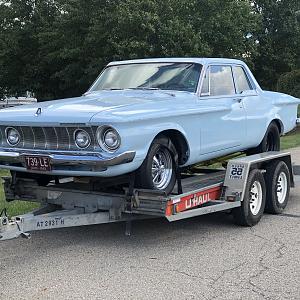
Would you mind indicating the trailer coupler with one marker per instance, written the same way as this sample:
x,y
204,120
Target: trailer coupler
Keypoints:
x,y
11,230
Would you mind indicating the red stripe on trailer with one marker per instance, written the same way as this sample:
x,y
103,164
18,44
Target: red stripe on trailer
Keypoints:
x,y
186,202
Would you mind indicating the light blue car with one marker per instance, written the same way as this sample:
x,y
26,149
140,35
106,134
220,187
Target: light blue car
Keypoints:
x,y
147,116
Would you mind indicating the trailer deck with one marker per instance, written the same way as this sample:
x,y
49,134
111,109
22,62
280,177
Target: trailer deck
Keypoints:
x,y
69,202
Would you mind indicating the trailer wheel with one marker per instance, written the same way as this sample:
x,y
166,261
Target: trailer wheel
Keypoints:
x,y
253,204
278,187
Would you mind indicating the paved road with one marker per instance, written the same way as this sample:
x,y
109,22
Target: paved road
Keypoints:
x,y
202,258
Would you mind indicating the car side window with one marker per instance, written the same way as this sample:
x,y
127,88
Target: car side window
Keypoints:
x,y
221,81
241,80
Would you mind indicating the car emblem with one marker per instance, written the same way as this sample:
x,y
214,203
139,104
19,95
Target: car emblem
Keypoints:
x,y
38,112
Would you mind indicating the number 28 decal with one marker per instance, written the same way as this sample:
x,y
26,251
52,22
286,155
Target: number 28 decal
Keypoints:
x,y
236,171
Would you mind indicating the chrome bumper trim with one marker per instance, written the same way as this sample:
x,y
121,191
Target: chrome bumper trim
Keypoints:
x,y
298,121
70,159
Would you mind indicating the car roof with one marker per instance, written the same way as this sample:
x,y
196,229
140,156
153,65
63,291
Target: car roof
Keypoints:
x,y
203,61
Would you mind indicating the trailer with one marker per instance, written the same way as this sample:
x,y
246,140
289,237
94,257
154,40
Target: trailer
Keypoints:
x,y
247,187
16,101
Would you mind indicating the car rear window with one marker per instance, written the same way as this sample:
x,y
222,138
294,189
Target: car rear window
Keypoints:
x,y
241,81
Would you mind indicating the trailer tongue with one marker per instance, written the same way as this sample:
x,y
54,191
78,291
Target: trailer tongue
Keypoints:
x,y
248,186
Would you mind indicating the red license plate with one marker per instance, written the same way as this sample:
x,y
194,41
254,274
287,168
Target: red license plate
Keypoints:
x,y
38,163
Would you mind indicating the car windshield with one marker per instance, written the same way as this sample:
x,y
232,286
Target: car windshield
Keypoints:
x,y
163,76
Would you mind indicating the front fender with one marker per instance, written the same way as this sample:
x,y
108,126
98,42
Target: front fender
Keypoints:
x,y
138,136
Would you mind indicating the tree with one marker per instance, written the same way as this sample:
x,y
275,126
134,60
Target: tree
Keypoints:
x,y
151,28
290,83
21,22
56,48
278,39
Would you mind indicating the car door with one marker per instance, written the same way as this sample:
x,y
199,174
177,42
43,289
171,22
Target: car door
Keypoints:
x,y
223,128
257,109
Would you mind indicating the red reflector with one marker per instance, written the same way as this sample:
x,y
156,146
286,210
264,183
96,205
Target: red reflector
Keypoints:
x,y
231,198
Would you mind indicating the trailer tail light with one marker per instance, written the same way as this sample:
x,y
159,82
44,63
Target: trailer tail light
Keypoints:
x,y
231,198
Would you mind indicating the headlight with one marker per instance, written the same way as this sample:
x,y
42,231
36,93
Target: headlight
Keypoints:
x,y
82,138
108,138
13,136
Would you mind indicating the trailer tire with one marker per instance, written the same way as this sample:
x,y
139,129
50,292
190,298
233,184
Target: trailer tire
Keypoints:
x,y
162,158
253,205
278,183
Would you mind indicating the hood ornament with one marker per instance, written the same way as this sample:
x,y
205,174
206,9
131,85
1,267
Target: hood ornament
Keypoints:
x,y
38,112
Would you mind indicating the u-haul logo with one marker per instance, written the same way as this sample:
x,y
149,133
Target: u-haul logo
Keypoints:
x,y
180,204
197,200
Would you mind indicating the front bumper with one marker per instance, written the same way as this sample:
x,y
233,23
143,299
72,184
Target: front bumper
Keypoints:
x,y
68,161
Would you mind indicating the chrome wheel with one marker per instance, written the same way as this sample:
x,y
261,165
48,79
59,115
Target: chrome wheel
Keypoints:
x,y
282,186
255,197
162,168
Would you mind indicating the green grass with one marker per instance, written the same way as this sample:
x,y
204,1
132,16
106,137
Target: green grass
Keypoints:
x,y
20,207
16,207
291,140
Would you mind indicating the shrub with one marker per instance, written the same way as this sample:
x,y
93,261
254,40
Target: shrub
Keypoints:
x,y
289,83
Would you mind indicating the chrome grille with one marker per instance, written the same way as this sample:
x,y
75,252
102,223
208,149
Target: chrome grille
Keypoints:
x,y
48,138
27,132
64,137
39,137
51,139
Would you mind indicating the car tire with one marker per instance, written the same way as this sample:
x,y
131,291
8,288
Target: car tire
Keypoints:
x,y
158,171
253,205
278,187
270,142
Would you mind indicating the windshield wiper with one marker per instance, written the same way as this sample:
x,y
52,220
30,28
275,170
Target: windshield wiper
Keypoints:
x,y
153,89
144,88
112,89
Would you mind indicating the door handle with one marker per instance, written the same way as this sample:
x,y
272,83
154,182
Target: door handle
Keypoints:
x,y
239,100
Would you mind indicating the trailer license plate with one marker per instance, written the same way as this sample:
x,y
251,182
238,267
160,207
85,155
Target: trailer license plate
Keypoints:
x,y
38,163
52,223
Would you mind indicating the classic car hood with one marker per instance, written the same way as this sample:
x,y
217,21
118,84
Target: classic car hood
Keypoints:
x,y
107,106
82,109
